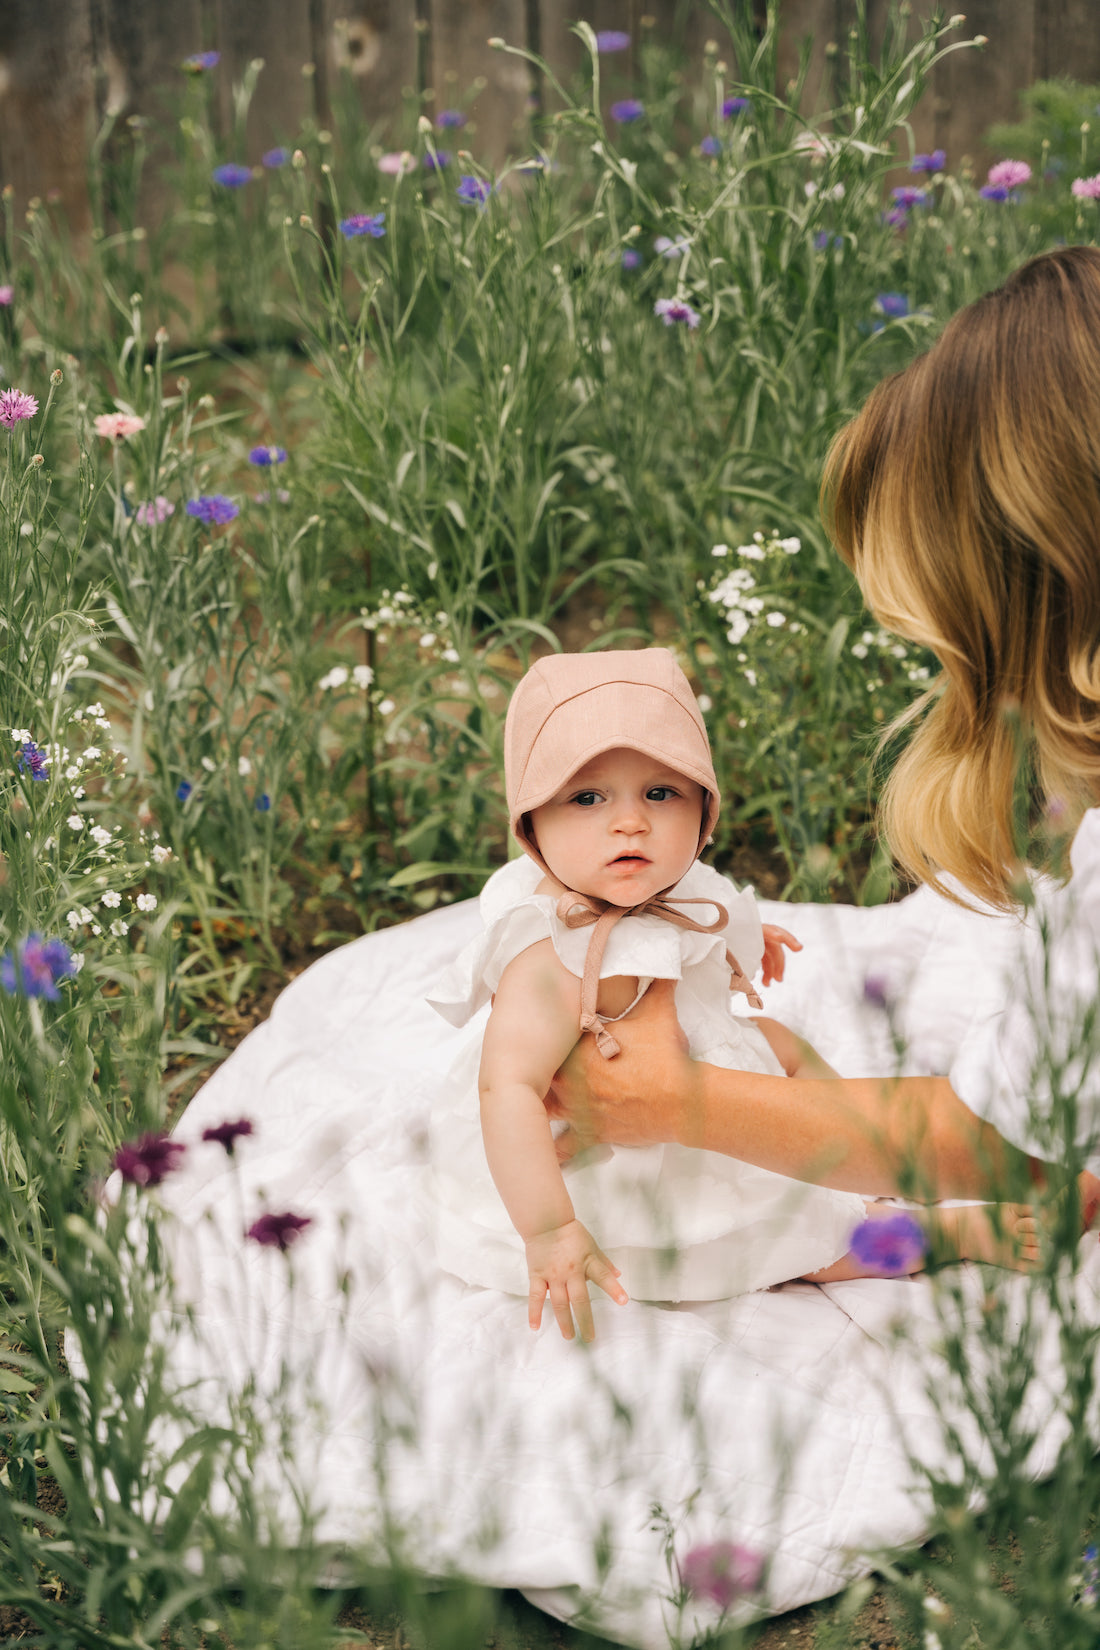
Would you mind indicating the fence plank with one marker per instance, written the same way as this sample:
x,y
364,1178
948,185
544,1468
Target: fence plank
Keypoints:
x,y
46,99
462,60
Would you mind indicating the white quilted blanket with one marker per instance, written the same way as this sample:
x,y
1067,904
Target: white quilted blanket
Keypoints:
x,y
782,1420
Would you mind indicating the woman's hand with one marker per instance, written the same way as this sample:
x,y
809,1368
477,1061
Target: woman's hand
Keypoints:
x,y
642,1096
561,1262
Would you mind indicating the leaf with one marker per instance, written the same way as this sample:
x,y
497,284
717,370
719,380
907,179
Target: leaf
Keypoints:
x,y
410,875
455,508
10,1382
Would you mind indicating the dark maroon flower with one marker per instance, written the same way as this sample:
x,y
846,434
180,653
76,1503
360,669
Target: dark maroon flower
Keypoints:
x,y
721,1571
147,1161
227,1134
278,1231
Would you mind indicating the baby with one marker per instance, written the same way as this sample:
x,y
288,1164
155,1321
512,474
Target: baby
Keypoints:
x,y
612,795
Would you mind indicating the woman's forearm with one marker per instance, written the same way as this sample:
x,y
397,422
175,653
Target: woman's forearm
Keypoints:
x,y
910,1136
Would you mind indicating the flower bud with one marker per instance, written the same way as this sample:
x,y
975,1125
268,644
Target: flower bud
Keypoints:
x,y
57,376
37,460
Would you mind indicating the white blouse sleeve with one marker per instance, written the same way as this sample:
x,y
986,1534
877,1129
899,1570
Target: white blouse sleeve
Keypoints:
x,y
1022,1064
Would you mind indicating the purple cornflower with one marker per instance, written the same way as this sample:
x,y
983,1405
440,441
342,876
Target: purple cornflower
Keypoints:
x,y
876,991
1009,174
612,40
735,106
1090,1577
278,1231
7,295
995,192
263,803
363,223
935,162
893,1247
722,1571
199,62
474,191
906,195
34,967
711,146
146,1162
893,305
183,790
627,110
152,512
450,120
232,175
266,456
212,508
823,240
672,310
436,162
15,405
897,217
227,1134
274,158
631,258
33,761
1086,189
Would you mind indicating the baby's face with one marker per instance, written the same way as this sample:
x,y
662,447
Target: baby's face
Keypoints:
x,y
623,828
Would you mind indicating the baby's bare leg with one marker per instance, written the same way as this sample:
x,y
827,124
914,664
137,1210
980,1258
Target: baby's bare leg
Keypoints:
x,y
1002,1234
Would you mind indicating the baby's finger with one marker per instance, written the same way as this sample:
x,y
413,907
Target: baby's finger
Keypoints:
x,y
606,1277
559,1300
582,1309
787,937
536,1296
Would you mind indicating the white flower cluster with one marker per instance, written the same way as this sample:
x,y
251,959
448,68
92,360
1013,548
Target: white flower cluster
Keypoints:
x,y
734,592
398,611
361,675
886,645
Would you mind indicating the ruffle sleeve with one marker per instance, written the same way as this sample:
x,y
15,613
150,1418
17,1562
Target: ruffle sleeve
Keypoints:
x,y
517,917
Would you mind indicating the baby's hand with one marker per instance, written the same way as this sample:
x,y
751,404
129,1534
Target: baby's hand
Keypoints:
x,y
774,960
561,1261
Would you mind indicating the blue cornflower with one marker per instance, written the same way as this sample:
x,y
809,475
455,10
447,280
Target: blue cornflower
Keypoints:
x,y
711,146
905,195
363,223
474,191
893,1247
199,62
631,258
612,40
935,162
265,456
231,175
735,106
823,240
450,120
263,803
996,192
212,508
183,790
35,966
897,217
437,161
33,761
627,110
274,158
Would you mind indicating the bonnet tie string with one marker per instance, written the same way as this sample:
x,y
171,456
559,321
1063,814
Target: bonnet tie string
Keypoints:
x,y
584,911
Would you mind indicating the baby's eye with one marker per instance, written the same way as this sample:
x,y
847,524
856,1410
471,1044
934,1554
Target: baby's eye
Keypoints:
x,y
586,799
660,793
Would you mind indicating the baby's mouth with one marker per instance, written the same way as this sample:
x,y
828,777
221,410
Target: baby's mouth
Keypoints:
x,y
630,859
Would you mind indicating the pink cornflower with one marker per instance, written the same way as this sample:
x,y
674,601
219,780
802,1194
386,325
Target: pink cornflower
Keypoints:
x,y
152,512
117,426
15,405
1086,189
1009,174
722,1571
7,295
397,162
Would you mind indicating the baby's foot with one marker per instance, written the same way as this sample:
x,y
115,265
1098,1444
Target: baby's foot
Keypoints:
x,y
1003,1234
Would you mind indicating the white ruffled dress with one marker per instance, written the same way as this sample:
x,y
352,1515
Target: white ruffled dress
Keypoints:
x,y
682,1224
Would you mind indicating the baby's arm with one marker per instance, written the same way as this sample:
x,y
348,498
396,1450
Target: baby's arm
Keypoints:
x,y
797,1057
532,1027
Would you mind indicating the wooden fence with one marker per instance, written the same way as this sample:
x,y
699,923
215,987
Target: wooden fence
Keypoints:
x,y
65,63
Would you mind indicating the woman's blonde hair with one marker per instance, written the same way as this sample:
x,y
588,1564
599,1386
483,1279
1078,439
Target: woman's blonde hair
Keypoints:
x,y
966,499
